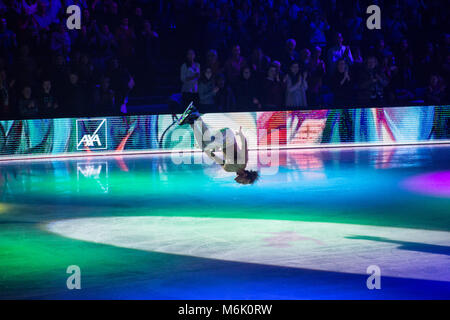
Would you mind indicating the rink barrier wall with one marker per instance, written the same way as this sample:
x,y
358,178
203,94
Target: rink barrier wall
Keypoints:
x,y
67,137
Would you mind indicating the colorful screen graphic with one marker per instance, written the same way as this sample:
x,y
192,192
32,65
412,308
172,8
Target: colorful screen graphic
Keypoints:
x,y
306,128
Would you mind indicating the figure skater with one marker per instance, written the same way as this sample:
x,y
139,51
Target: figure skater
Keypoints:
x,y
234,159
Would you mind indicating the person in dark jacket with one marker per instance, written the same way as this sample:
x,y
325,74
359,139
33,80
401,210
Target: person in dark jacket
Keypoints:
x,y
246,91
225,99
272,89
342,84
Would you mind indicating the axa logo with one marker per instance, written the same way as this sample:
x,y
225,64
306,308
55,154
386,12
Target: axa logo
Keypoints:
x,y
89,141
92,134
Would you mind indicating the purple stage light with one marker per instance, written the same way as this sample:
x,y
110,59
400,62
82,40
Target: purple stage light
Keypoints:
x,y
434,184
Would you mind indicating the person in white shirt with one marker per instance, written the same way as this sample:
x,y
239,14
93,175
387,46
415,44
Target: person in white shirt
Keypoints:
x,y
190,74
338,52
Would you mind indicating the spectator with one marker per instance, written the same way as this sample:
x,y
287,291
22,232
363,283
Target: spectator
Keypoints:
x,y
75,96
337,52
37,28
246,91
125,41
106,44
317,71
27,105
121,83
296,86
212,61
342,84
373,81
290,54
225,100
148,53
234,65
259,63
207,89
279,73
272,89
190,73
48,103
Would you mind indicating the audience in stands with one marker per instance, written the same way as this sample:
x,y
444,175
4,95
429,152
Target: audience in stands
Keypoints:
x,y
254,54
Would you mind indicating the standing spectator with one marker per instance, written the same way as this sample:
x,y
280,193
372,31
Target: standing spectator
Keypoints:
x,y
317,71
207,90
225,100
75,97
341,83
27,105
259,63
190,73
125,40
296,86
148,53
212,61
289,55
372,83
337,52
106,44
279,74
48,103
246,90
272,89
121,83
234,64
305,58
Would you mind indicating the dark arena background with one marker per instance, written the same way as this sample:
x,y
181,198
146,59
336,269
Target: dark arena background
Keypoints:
x,y
108,190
